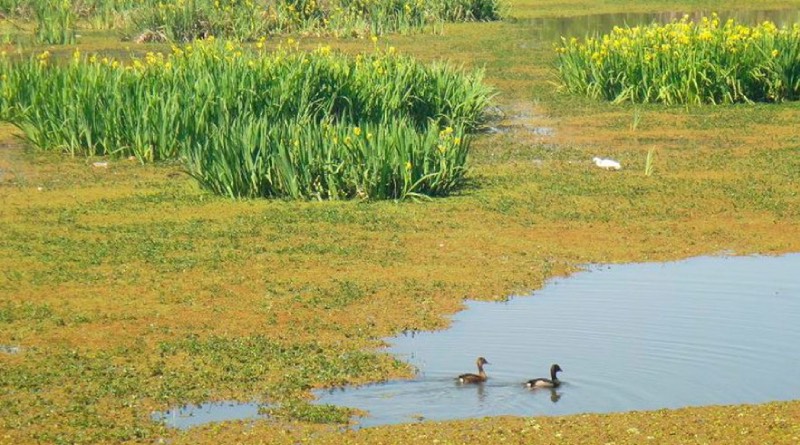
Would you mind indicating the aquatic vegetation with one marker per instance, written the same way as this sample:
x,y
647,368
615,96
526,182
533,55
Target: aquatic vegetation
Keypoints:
x,y
312,124
185,20
685,62
151,260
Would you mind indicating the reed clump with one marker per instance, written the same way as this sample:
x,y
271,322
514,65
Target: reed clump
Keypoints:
x,y
685,62
186,20
251,123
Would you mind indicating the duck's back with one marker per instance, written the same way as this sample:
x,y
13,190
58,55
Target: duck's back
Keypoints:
x,y
542,383
471,378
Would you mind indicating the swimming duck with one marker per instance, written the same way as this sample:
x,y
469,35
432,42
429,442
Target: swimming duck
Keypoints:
x,y
480,377
552,382
608,164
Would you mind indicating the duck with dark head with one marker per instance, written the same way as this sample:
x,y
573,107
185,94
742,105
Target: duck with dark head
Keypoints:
x,y
480,377
552,382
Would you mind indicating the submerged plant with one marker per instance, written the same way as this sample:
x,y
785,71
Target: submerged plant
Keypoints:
x,y
685,62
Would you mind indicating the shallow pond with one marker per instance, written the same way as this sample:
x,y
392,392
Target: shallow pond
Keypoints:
x,y
709,330
193,415
548,29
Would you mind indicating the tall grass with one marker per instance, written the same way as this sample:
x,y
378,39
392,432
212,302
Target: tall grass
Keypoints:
x,y
186,20
55,21
246,19
290,123
685,62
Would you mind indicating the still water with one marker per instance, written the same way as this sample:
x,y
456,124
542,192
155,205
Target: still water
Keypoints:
x,y
185,417
708,330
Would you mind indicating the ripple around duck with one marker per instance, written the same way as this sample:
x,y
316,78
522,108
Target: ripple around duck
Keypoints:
x,y
709,330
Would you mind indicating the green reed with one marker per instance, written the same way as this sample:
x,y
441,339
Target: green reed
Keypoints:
x,y
685,62
248,123
55,21
186,20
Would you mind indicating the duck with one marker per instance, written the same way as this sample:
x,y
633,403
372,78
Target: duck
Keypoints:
x,y
608,164
552,382
480,377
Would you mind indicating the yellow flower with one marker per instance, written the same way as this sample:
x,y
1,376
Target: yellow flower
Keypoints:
x,y
408,165
457,140
357,131
775,53
43,57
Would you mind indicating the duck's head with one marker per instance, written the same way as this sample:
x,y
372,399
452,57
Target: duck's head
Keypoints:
x,y
555,368
596,159
482,361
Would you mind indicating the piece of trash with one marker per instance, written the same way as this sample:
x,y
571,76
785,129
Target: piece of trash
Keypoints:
x,y
100,164
608,164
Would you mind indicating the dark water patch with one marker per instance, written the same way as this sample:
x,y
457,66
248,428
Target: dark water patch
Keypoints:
x,y
552,29
9,349
709,330
188,416
537,131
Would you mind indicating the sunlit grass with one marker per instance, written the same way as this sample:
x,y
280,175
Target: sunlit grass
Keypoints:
x,y
685,62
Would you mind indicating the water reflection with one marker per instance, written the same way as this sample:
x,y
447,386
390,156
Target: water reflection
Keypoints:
x,y
552,29
555,396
